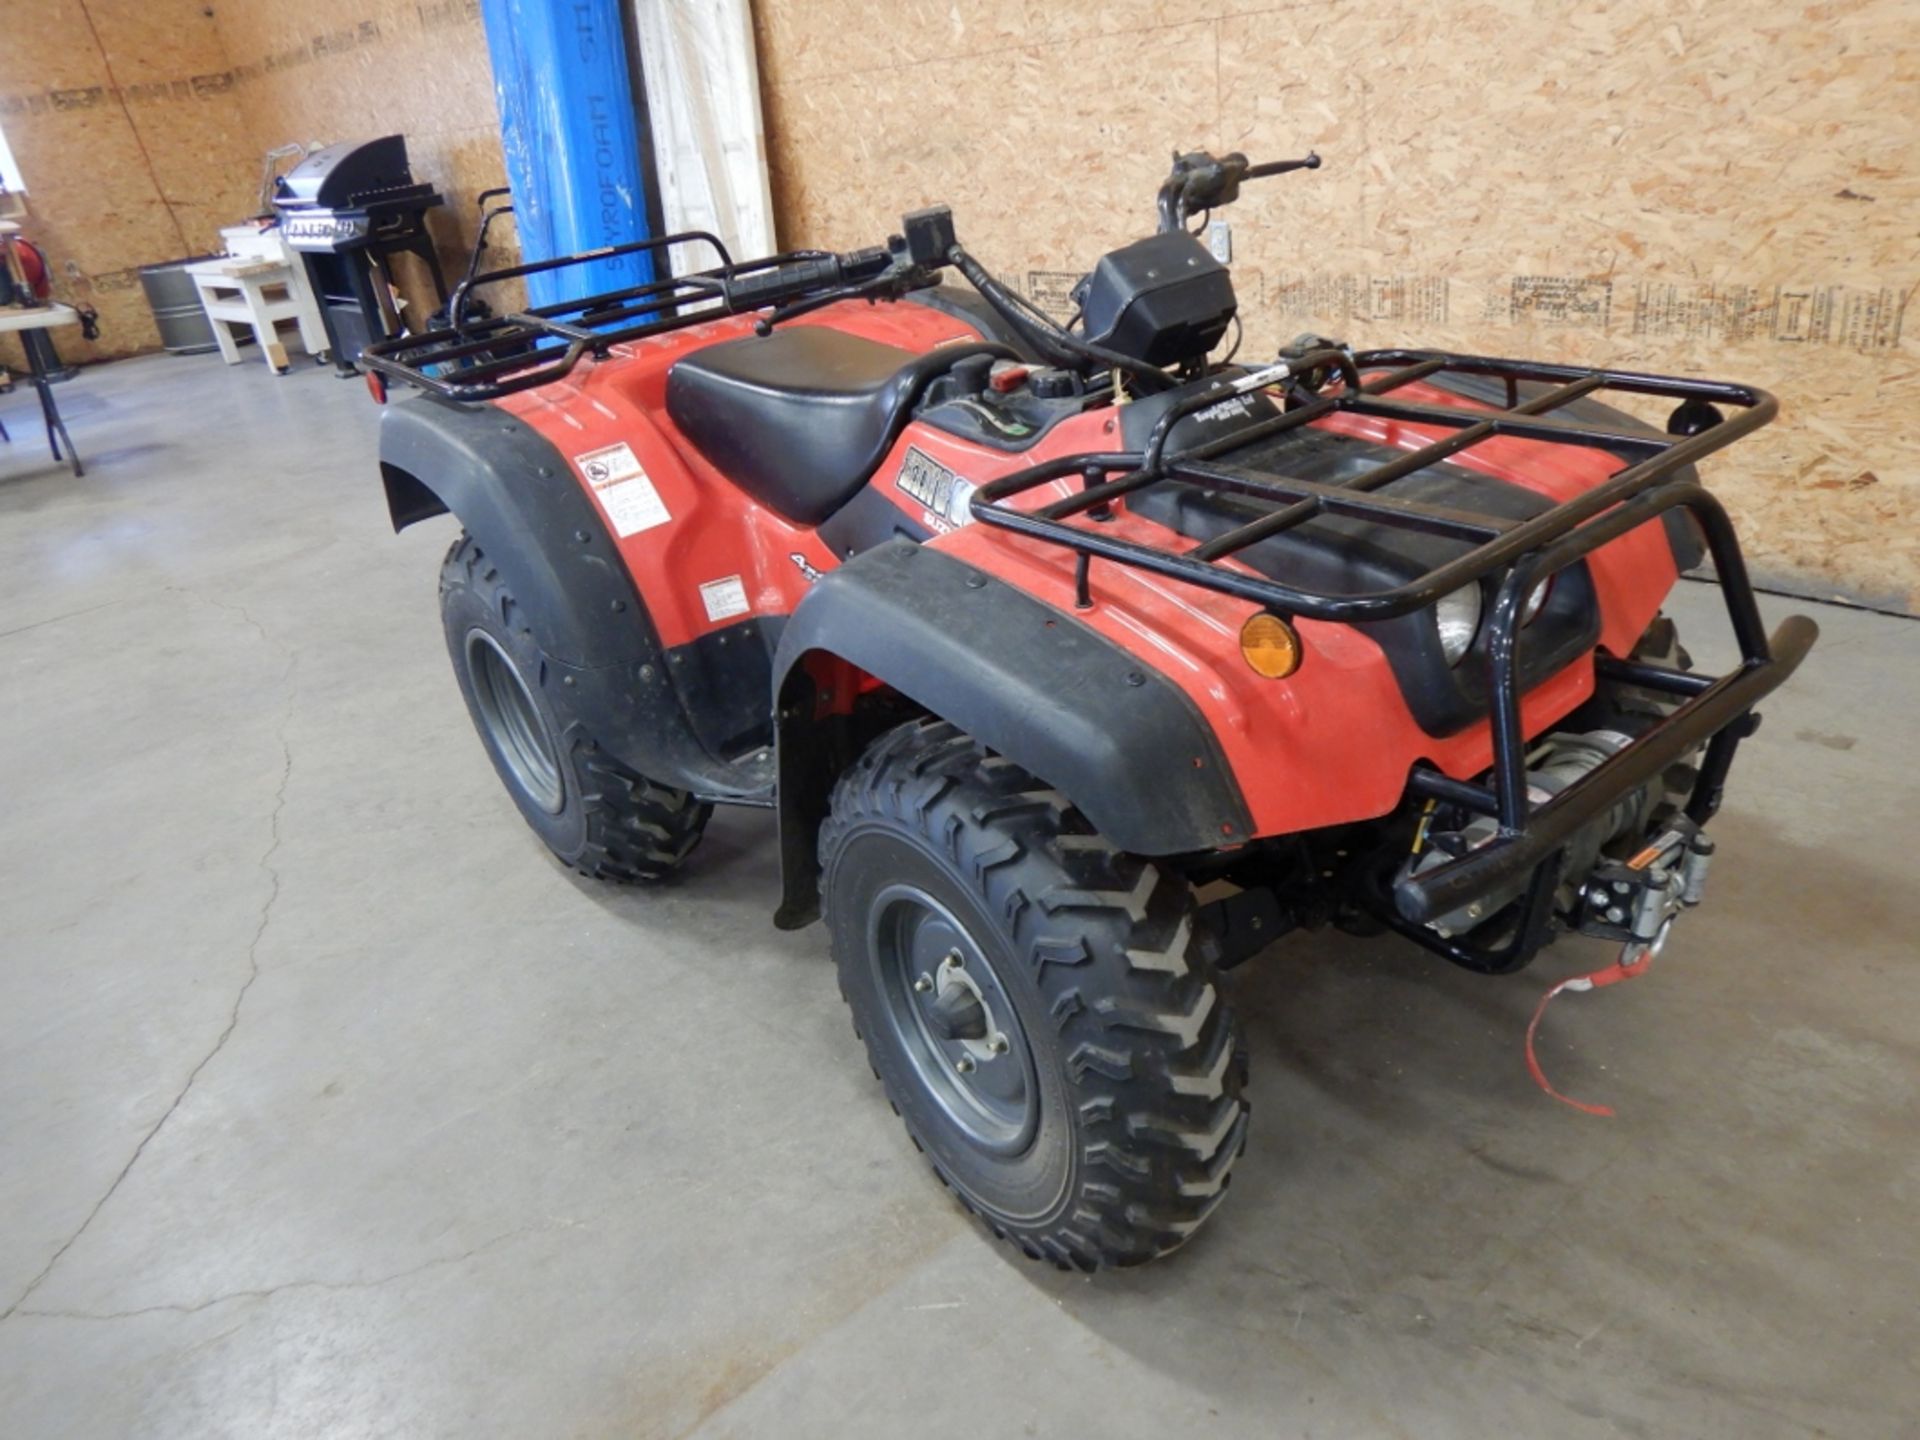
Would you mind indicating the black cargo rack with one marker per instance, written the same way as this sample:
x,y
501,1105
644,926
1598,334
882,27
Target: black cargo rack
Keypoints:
x,y
1530,837
484,359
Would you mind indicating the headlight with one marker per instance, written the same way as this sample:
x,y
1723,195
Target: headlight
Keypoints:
x,y
1458,618
1536,602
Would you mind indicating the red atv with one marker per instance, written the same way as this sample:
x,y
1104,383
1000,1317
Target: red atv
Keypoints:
x,y
1029,632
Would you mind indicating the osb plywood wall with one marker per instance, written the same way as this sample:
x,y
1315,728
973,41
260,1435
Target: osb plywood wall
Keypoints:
x,y
140,125
122,117
1712,187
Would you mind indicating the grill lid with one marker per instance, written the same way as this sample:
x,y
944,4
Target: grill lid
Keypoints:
x,y
340,175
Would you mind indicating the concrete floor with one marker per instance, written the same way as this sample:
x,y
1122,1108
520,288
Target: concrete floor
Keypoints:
x,y
329,1107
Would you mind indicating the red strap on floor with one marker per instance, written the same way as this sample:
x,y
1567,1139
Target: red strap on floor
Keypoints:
x,y
1595,980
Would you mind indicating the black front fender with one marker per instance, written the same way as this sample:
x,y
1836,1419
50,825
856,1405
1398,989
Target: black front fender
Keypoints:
x,y
1118,738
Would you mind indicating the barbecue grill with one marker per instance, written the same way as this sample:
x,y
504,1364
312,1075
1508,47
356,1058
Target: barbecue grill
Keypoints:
x,y
348,209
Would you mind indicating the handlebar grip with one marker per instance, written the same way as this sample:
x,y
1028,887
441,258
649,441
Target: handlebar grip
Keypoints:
x,y
795,277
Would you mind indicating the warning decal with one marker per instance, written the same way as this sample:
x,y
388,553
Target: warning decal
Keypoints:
x,y
1052,291
621,485
724,599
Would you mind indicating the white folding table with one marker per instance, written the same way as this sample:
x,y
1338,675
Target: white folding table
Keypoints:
x,y
43,317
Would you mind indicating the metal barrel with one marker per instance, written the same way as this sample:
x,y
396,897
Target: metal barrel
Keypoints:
x,y
183,324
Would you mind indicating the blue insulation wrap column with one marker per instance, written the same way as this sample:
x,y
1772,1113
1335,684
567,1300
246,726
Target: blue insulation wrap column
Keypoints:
x,y
571,133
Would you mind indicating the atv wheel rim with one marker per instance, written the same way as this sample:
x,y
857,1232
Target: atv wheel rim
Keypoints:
x,y
515,728
929,969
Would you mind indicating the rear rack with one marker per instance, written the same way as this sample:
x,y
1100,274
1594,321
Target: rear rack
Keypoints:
x,y
476,360
1529,838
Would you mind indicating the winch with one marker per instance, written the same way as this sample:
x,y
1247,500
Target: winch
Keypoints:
x,y
1561,759
1634,901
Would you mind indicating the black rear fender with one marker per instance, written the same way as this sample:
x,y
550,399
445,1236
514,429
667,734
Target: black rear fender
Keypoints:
x,y
1116,737
518,498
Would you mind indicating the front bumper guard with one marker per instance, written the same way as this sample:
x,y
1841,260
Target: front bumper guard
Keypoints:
x,y
1715,712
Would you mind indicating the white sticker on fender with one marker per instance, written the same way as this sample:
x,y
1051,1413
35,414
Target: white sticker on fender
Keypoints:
x,y
621,484
724,599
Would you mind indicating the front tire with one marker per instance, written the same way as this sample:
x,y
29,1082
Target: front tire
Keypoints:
x,y
597,815
1029,1002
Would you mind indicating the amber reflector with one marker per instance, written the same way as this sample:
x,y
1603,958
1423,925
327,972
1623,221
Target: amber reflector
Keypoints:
x,y
1270,646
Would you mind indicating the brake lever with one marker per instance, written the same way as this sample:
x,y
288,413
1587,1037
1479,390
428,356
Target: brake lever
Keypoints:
x,y
1282,167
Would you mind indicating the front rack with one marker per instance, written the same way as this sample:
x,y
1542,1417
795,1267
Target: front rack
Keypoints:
x,y
1497,541
1529,837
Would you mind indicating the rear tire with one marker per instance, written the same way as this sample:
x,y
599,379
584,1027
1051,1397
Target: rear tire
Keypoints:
x,y
954,883
598,816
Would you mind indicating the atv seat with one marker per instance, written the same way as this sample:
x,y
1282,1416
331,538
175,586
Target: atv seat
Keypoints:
x,y
800,419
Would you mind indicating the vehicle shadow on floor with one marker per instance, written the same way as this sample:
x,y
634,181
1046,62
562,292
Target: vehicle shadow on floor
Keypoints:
x,y
1401,1162
1400,1157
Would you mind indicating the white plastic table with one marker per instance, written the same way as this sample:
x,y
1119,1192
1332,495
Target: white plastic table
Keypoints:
x,y
43,317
